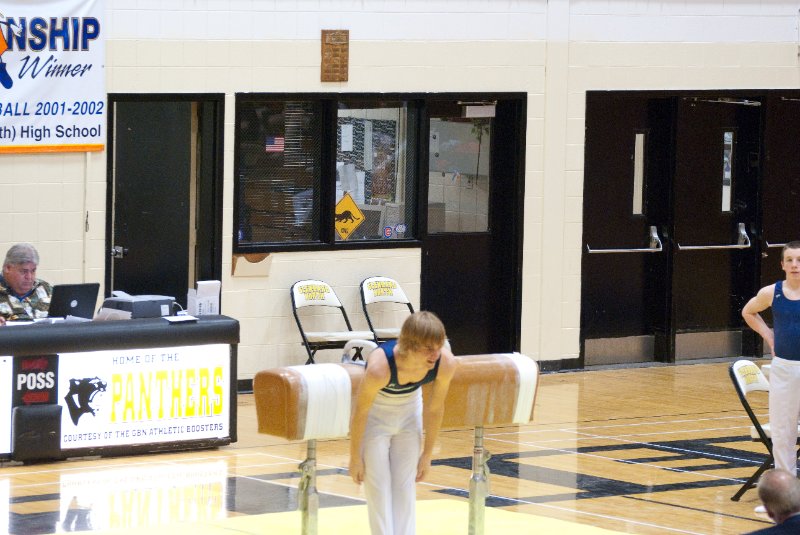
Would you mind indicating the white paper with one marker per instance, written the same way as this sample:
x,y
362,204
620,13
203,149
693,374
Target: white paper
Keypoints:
x,y
347,137
180,319
205,299
112,314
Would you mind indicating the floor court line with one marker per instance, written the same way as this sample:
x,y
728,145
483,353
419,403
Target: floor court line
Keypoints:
x,y
678,506
628,461
637,424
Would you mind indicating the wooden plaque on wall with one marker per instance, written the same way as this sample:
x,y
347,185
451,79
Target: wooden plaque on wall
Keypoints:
x,y
335,55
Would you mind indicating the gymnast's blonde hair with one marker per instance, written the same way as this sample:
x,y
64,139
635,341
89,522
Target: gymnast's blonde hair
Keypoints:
x,y
421,330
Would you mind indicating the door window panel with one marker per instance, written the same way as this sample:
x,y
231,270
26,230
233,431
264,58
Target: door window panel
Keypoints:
x,y
459,174
638,173
727,169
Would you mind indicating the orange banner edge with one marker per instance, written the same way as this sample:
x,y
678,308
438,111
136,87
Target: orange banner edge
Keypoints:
x,y
23,149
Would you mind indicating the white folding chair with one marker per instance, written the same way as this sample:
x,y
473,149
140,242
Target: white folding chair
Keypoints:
x,y
747,379
376,290
316,293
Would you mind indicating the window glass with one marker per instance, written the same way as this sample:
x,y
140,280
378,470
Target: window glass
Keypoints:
x,y
727,170
638,173
458,174
279,171
375,189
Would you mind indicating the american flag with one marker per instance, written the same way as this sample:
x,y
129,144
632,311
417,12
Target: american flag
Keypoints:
x,y
274,144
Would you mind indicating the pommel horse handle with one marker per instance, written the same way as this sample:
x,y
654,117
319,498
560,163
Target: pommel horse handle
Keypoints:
x,y
487,390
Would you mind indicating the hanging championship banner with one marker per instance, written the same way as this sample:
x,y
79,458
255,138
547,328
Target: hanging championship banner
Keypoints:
x,y
52,76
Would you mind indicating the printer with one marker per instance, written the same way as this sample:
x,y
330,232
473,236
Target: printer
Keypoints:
x,y
140,306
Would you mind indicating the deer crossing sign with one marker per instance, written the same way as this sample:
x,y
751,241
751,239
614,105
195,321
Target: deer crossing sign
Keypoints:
x,y
347,216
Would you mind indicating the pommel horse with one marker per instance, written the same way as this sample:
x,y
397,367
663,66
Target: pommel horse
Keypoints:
x,y
315,401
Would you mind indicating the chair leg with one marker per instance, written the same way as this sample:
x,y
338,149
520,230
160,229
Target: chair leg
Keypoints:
x,y
750,483
311,356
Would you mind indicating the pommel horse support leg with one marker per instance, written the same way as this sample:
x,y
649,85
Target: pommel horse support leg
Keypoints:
x,y
314,402
487,391
306,403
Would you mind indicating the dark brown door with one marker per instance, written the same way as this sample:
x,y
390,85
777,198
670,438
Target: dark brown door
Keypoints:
x,y
671,215
715,207
625,261
471,251
165,188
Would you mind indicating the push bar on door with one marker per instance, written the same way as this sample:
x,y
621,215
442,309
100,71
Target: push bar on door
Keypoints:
x,y
743,243
655,245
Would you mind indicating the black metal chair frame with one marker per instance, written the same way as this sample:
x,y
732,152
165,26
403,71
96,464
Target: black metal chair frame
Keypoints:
x,y
313,346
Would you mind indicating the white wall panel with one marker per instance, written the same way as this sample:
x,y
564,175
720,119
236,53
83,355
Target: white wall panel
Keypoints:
x,y
232,46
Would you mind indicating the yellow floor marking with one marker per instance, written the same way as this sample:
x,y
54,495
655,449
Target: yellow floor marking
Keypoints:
x,y
434,517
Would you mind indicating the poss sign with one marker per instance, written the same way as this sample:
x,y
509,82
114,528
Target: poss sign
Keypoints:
x,y
34,380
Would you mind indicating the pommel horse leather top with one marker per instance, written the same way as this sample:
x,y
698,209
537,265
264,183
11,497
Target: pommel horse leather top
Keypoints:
x,y
315,401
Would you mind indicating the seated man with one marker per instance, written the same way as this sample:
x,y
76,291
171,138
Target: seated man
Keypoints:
x,y
779,490
22,295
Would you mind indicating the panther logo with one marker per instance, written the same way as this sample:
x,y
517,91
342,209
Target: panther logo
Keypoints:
x,y
346,217
80,396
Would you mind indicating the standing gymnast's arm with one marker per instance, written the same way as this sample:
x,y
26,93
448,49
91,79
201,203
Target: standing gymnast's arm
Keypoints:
x,y
750,313
433,410
376,376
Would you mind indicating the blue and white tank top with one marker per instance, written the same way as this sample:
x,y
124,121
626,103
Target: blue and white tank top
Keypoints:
x,y
393,387
786,324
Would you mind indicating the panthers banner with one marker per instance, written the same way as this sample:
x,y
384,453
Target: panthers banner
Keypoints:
x,y
141,396
52,76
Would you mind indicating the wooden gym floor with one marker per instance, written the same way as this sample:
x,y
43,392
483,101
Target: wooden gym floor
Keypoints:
x,y
637,450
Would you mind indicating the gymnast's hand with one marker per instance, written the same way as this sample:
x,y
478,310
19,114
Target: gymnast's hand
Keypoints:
x,y
357,469
423,467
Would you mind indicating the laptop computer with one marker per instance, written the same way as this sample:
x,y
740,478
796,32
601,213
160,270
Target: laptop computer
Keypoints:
x,y
77,300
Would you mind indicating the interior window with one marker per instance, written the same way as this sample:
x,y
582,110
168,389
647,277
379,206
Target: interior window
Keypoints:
x,y
458,174
375,190
279,171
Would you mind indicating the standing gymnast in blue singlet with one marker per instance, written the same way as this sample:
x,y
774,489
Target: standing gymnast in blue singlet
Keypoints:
x,y
389,417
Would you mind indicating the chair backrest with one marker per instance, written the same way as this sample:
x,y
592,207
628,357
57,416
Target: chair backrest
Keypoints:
x,y
748,378
314,293
382,289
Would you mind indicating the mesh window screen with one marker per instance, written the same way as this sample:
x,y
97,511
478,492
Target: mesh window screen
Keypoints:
x,y
279,171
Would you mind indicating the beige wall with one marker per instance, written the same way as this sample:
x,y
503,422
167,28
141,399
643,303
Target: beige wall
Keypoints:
x,y
552,50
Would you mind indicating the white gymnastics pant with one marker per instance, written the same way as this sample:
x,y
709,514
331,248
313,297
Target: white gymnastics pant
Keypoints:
x,y
784,410
391,450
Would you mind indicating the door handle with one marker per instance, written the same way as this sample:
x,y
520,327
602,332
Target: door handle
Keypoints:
x,y
743,242
118,251
655,245
771,245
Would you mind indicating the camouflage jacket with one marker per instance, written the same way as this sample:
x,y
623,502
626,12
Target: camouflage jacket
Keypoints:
x,y
32,307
